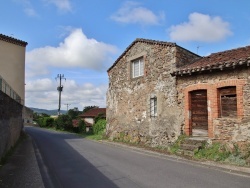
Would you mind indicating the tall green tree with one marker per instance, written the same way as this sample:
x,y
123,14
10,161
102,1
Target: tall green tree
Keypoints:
x,y
72,113
87,108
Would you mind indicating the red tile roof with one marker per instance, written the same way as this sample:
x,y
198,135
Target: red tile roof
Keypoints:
x,y
94,112
218,61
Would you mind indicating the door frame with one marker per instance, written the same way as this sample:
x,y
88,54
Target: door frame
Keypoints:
x,y
203,130
187,108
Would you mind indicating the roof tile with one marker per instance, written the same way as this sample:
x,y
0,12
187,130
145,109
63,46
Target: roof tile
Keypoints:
x,y
220,61
13,40
94,112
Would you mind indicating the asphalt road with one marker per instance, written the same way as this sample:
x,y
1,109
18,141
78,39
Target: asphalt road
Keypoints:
x,y
66,160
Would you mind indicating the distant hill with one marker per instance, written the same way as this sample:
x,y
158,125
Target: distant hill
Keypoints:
x,y
49,112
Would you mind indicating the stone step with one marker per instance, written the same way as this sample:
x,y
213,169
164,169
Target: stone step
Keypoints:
x,y
188,153
185,152
190,147
190,144
193,141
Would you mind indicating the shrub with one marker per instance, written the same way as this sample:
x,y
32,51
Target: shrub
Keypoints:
x,y
63,122
216,152
99,126
48,121
45,121
81,126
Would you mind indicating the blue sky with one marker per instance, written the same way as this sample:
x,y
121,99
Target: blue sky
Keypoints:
x,y
82,38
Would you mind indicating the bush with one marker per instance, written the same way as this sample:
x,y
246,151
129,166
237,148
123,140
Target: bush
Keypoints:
x,y
81,126
45,121
63,122
99,126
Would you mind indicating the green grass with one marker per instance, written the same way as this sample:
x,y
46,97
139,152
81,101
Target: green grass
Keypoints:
x,y
83,135
176,145
218,152
94,137
215,152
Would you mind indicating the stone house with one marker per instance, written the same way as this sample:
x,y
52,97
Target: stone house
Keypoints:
x,y
142,103
89,116
214,95
159,90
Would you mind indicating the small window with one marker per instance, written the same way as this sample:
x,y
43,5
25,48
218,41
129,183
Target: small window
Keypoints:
x,y
137,68
228,102
153,107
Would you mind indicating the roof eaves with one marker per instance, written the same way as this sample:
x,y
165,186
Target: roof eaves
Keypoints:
x,y
209,68
13,40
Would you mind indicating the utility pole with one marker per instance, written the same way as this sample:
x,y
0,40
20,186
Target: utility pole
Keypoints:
x,y
60,89
198,47
67,106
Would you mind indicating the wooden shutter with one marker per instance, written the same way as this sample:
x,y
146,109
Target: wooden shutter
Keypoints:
x,y
228,102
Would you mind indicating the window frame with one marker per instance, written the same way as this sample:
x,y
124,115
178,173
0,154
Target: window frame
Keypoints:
x,y
153,107
227,92
140,68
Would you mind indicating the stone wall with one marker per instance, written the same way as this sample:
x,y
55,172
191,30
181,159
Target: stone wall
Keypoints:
x,y
27,115
11,122
232,130
128,99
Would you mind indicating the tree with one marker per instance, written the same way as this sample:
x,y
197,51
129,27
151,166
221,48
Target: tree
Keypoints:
x,y
36,116
72,113
87,108
63,122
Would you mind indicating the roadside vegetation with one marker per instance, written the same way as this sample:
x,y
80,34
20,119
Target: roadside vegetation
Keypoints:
x,y
70,122
218,152
214,152
223,153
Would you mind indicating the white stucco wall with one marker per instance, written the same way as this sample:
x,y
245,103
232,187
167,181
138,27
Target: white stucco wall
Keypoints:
x,y
12,63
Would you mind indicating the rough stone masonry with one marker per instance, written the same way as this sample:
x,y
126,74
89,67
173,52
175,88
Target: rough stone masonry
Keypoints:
x,y
128,99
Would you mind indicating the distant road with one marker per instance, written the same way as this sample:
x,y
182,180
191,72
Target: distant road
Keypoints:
x,y
68,161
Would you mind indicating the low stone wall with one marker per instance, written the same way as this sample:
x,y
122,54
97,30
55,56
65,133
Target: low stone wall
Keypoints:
x,y
11,122
232,132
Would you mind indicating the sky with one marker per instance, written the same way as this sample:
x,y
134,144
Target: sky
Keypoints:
x,y
81,39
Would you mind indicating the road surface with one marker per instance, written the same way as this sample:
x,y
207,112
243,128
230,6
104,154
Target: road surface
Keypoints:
x,y
66,160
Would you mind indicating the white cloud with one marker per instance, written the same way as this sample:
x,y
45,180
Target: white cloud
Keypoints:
x,y
39,85
76,51
132,12
62,5
28,8
42,93
201,27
